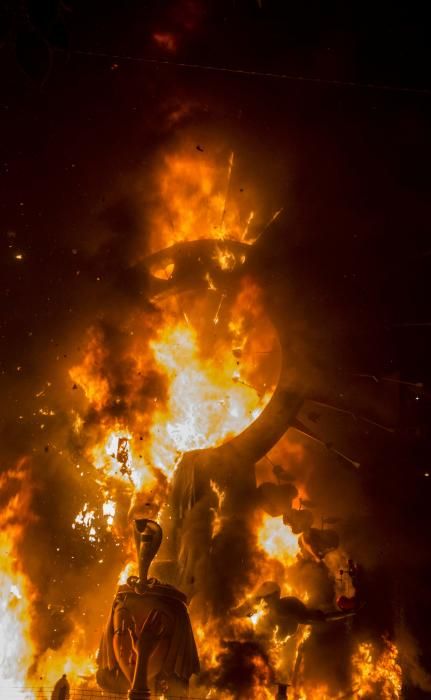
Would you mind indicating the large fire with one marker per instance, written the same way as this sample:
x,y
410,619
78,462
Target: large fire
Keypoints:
x,y
191,374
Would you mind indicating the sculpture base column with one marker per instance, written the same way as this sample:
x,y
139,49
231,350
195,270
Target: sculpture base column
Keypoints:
x,y
139,695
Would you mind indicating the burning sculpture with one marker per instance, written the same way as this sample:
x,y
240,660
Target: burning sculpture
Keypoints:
x,y
211,507
284,615
222,479
183,404
148,643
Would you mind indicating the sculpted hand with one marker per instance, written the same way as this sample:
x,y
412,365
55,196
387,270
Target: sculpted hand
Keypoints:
x,y
152,630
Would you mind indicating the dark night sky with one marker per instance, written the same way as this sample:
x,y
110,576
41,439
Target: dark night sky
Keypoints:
x,y
350,165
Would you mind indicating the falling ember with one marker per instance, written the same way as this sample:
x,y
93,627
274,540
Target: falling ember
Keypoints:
x,y
211,285
216,318
229,177
273,218
278,540
247,226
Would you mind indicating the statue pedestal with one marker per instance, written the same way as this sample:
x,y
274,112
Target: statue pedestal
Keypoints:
x,y
139,695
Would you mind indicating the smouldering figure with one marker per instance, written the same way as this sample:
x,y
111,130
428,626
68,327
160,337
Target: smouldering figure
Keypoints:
x,y
286,614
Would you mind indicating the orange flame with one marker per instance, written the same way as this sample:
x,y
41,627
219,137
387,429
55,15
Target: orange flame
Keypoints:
x,y
195,195
278,540
377,673
16,594
205,405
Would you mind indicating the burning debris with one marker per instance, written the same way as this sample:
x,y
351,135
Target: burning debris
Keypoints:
x,y
122,456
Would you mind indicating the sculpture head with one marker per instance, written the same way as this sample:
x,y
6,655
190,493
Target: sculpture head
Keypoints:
x,y
268,591
148,538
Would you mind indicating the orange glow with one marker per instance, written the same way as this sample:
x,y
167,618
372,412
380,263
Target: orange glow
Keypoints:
x,y
166,41
278,540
